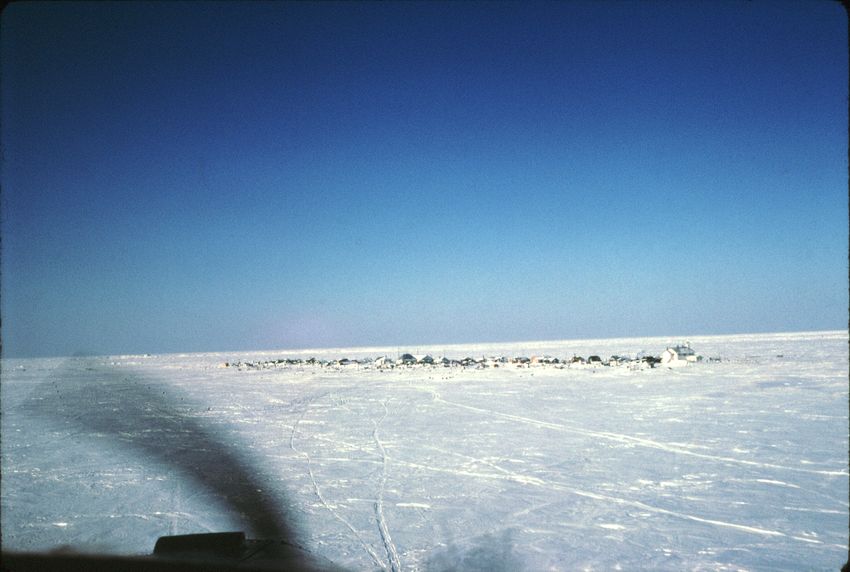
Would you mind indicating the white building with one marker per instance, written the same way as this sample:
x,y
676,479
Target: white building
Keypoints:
x,y
679,355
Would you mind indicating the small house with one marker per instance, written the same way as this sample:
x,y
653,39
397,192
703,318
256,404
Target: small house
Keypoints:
x,y
678,355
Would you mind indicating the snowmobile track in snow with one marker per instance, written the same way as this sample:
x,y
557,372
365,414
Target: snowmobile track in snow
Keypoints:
x,y
633,440
318,491
392,553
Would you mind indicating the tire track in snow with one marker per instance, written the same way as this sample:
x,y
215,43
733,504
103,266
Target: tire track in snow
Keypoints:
x,y
177,503
632,440
534,481
513,477
659,510
392,553
467,457
321,497
344,445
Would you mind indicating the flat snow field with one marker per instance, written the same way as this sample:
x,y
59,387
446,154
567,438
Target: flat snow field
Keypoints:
x,y
740,464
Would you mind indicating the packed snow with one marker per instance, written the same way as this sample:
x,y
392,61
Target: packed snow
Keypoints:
x,y
736,464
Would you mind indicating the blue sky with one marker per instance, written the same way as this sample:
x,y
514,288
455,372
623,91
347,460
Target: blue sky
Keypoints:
x,y
227,176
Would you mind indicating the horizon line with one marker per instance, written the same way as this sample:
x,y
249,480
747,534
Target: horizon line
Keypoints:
x,y
397,347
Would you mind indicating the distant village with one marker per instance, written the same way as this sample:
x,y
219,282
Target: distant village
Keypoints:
x,y
674,356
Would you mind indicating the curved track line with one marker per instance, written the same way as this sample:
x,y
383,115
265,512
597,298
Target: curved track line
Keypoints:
x,y
392,554
632,440
321,497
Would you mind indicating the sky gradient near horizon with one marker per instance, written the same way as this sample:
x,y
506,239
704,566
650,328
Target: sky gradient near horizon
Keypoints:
x,y
185,177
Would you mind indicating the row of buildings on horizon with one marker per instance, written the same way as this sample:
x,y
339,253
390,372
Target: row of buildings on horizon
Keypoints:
x,y
674,356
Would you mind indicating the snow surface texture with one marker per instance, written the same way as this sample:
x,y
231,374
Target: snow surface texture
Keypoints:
x,y
741,464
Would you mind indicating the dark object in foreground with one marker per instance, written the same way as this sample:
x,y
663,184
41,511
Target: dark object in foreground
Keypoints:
x,y
217,544
215,552
233,547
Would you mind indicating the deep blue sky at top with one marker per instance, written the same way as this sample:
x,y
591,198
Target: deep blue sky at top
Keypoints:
x,y
225,176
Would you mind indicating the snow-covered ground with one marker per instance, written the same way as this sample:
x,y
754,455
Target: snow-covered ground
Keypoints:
x,y
741,464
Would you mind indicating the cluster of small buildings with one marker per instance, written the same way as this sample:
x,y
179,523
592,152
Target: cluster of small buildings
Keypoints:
x,y
673,356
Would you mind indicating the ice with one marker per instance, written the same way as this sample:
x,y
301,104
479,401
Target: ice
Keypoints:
x,y
736,464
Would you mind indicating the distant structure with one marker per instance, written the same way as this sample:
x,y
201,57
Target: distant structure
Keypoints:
x,y
679,355
674,356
